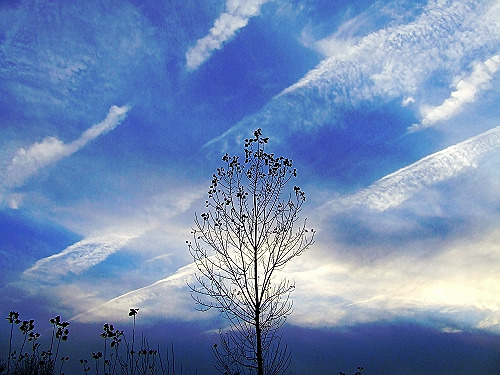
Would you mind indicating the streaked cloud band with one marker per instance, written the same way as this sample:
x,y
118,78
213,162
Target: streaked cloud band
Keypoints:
x,y
236,16
28,161
82,255
397,62
397,187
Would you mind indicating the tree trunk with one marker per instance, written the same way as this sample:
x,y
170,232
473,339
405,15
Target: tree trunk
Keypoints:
x,y
260,364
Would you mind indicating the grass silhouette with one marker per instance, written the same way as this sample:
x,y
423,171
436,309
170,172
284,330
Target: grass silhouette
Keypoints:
x,y
33,360
117,357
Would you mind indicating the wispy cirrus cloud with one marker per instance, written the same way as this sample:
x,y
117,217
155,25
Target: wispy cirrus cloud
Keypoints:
x,y
150,234
456,286
82,255
397,187
28,161
466,91
236,16
150,299
396,61
65,73
355,28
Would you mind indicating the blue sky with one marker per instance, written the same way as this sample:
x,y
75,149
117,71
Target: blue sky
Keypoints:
x,y
113,117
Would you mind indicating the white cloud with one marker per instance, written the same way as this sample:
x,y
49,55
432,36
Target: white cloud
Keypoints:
x,y
66,73
150,234
236,16
28,161
82,255
398,61
466,92
407,101
394,189
166,298
351,31
115,116
455,285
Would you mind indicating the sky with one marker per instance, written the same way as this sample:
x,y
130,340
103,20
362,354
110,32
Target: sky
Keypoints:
x,y
114,116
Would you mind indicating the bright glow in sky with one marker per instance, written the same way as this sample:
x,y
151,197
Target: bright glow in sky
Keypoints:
x,y
114,117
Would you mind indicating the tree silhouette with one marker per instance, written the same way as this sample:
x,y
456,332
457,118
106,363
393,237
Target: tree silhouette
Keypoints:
x,y
246,235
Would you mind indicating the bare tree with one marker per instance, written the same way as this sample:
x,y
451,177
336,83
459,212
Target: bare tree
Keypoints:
x,y
246,235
